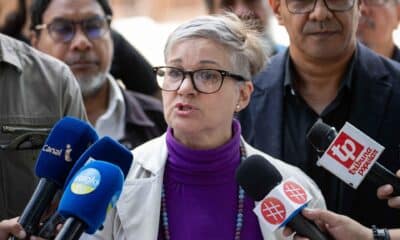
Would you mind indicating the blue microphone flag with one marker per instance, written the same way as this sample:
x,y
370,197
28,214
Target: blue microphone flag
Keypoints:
x,y
91,193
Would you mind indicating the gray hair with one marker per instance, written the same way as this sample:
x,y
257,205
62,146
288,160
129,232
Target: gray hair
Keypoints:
x,y
248,55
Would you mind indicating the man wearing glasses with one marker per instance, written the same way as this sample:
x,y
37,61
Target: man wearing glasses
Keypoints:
x,y
78,33
379,18
326,73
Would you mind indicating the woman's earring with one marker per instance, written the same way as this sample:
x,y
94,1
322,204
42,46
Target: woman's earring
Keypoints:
x,y
237,108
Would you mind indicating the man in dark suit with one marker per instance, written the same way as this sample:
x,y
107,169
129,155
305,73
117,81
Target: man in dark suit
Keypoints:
x,y
326,74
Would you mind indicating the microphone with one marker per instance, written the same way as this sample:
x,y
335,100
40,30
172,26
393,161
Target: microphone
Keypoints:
x,y
68,139
258,178
91,193
350,155
105,149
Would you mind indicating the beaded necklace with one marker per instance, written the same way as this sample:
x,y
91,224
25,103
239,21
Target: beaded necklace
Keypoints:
x,y
239,215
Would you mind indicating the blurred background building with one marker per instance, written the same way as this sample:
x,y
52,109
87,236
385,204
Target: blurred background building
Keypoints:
x,y
147,23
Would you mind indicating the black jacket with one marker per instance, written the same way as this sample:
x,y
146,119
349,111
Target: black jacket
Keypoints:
x,y
374,109
131,67
144,119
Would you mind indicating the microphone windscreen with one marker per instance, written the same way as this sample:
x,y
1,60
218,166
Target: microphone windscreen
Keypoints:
x,y
257,176
321,135
105,149
92,191
67,140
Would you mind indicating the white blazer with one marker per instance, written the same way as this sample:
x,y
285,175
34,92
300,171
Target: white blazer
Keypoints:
x,y
137,212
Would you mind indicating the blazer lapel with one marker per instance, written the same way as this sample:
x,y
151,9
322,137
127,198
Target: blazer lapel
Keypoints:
x,y
372,91
269,107
139,209
140,202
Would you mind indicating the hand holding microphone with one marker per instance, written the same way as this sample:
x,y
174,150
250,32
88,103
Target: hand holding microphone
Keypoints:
x,y
11,226
386,192
340,227
259,178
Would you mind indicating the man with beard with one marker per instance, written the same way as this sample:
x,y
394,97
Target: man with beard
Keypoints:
x,y
379,18
127,60
78,33
326,74
256,11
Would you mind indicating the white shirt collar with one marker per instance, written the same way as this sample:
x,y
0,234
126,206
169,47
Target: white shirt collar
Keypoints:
x,y
112,122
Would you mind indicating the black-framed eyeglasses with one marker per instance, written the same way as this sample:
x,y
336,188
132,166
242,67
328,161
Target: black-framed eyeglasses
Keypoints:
x,y
204,80
64,30
307,6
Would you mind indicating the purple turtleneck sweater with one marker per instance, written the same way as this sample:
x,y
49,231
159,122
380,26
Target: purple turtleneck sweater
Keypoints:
x,y
202,193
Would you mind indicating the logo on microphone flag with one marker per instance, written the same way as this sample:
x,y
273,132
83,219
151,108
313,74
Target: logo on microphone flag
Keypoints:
x,y
273,210
86,181
351,155
281,204
295,192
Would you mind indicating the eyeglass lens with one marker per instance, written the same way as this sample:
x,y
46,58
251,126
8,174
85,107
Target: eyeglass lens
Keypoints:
x,y
306,6
64,30
205,80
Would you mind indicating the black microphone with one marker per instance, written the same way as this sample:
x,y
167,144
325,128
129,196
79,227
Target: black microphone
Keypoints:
x,y
48,230
321,135
72,229
257,176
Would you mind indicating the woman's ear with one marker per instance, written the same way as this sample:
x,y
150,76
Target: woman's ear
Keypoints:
x,y
276,8
245,95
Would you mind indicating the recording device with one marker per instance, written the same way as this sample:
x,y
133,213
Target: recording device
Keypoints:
x,y
105,149
94,190
350,155
258,177
68,139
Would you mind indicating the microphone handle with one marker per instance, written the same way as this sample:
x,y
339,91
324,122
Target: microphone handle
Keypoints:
x,y
72,229
36,206
48,230
306,228
381,175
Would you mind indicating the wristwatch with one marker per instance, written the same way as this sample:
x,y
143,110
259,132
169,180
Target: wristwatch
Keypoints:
x,y
380,233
